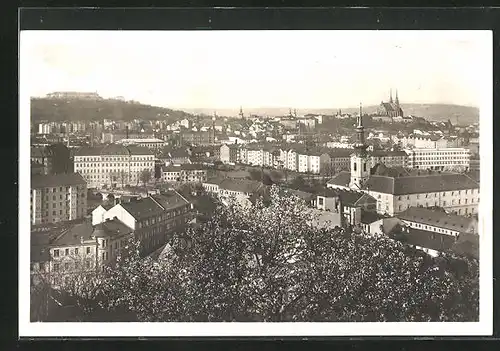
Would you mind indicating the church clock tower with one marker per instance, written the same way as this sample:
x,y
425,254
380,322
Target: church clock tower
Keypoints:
x,y
360,162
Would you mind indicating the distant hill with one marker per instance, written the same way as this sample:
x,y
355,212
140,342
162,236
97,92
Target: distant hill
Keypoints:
x,y
43,109
432,112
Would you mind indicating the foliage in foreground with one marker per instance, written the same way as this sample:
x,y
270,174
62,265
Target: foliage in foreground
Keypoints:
x,y
267,263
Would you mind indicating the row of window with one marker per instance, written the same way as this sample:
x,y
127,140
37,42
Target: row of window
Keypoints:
x,y
67,252
65,189
459,211
115,158
131,164
161,218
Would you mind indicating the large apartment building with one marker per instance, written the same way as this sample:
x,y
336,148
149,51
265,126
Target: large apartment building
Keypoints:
x,y
153,219
113,165
57,197
439,158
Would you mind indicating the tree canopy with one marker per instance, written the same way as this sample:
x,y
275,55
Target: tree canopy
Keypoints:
x,y
269,263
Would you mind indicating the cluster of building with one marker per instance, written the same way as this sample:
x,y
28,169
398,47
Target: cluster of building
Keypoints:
x,y
405,189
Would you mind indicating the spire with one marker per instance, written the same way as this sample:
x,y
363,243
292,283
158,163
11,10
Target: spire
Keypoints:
x,y
360,131
397,99
360,118
241,112
390,100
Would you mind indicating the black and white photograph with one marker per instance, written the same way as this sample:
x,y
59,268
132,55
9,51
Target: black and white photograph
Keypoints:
x,y
180,179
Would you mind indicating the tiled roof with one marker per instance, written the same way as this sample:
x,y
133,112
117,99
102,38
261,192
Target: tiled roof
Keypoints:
x,y
342,179
54,180
370,217
169,199
420,184
74,234
138,150
115,227
142,208
339,152
387,106
436,218
383,153
113,149
430,240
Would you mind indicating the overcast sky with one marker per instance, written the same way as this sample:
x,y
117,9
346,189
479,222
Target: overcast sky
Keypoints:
x,y
226,69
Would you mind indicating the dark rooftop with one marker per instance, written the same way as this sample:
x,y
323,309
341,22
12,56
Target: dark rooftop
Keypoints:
x,y
420,184
430,240
55,180
341,179
438,219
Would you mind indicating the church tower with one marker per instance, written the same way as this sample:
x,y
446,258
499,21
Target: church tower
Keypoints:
x,y
390,98
360,167
242,116
397,99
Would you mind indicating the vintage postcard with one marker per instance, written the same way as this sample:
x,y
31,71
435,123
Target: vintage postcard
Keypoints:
x,y
269,183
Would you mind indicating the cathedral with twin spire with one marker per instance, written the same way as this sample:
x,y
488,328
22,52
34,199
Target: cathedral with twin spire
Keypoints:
x,y
390,109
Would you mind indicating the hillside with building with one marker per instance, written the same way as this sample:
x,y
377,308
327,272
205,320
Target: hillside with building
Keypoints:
x,y
75,107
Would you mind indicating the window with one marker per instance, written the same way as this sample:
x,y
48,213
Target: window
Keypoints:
x,y
76,251
88,250
56,253
354,166
66,252
364,167
56,267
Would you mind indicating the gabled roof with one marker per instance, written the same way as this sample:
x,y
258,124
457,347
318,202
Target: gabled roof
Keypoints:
x,y
370,217
169,199
142,208
55,180
431,183
214,180
74,234
437,218
138,150
114,149
111,228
